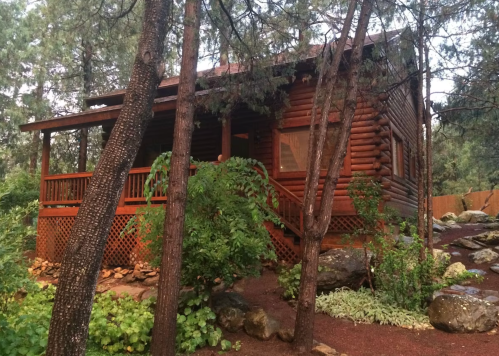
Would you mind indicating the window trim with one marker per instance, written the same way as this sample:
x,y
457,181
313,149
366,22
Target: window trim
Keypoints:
x,y
346,170
395,134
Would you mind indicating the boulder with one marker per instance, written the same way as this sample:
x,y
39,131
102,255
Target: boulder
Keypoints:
x,y
228,299
324,350
466,242
151,281
149,293
118,276
260,325
488,238
449,217
492,299
438,228
452,224
442,257
483,256
454,270
129,278
123,290
480,272
495,268
286,335
436,221
492,226
462,314
342,268
473,216
139,275
231,319
465,290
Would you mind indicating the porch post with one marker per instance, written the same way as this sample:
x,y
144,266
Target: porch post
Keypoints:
x,y
45,164
226,139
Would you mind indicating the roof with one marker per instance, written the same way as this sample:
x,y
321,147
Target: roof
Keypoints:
x,y
166,101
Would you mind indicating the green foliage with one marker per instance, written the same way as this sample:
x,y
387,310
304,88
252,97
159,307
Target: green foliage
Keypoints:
x,y
289,279
364,307
224,233
18,189
13,231
121,325
24,327
195,325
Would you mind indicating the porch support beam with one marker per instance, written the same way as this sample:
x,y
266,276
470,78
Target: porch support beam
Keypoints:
x,y
226,139
45,164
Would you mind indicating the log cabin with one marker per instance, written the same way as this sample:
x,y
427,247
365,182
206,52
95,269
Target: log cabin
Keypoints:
x,y
382,145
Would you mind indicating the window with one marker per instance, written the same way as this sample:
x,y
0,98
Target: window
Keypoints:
x,y
397,155
294,148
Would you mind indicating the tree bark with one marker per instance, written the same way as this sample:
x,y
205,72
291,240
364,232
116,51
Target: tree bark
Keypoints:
x,y
83,255
225,32
315,228
429,155
165,318
87,54
420,121
35,141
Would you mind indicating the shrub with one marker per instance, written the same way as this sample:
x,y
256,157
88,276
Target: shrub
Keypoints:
x,y
289,279
364,307
14,273
224,235
18,189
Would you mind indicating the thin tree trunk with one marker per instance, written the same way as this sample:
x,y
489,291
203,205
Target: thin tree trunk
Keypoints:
x,y
315,229
429,154
225,32
420,121
35,142
165,317
87,54
83,255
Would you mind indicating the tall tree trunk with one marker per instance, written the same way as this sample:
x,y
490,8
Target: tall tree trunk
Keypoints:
x,y
429,154
87,54
420,121
315,228
225,32
35,141
83,255
165,317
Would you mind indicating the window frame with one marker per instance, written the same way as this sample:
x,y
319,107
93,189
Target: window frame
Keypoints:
x,y
346,170
398,138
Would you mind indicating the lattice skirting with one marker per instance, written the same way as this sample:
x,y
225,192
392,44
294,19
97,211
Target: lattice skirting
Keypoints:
x,y
344,223
53,234
283,252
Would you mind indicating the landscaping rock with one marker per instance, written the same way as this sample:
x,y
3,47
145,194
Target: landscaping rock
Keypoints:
x,y
454,270
452,224
139,275
483,256
492,226
122,290
286,335
129,278
488,238
465,242
465,290
488,292
343,268
492,299
480,272
456,254
436,237
106,274
438,228
149,293
228,299
260,325
448,217
231,319
118,276
324,350
495,268
473,216
462,314
442,257
151,282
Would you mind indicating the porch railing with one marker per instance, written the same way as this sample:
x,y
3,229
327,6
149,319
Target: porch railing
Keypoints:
x,y
68,189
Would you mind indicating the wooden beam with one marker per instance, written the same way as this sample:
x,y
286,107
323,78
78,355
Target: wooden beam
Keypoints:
x,y
226,138
45,164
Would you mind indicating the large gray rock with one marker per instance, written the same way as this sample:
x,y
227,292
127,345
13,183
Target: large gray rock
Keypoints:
x,y
260,325
488,238
495,268
483,256
448,217
438,228
454,270
441,257
228,299
492,226
473,216
466,242
462,314
452,225
231,319
342,268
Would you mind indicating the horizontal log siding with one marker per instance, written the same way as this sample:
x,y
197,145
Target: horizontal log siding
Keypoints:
x,y
401,113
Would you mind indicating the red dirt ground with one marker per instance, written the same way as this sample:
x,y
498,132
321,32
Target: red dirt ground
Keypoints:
x,y
360,339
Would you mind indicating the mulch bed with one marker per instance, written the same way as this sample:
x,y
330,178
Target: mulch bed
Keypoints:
x,y
361,339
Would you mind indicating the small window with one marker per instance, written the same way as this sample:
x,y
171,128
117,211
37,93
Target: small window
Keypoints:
x,y
397,155
294,148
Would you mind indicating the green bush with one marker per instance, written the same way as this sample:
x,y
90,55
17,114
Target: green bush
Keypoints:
x,y
224,235
289,279
18,189
13,269
364,307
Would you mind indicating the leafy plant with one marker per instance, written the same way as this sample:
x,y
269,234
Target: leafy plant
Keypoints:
x,y
289,279
364,307
224,235
18,189
13,230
